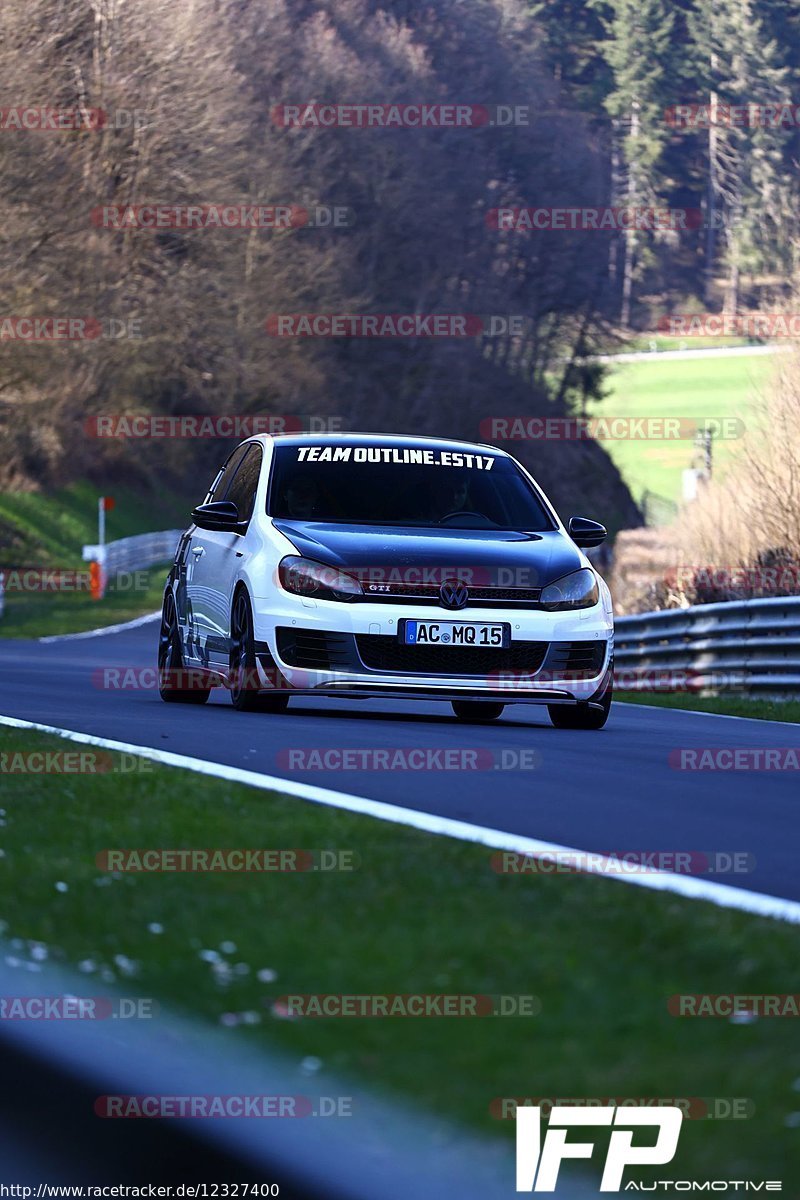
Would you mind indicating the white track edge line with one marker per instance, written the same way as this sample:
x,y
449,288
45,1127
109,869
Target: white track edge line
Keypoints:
x,y
71,637
756,903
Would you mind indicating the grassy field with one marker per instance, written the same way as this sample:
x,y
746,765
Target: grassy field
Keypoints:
x,y
602,957
34,614
732,706
696,388
48,531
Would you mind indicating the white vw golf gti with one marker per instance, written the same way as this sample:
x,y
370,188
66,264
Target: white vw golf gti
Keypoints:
x,y
364,565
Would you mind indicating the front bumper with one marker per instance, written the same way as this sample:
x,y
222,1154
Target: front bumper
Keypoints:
x,y
547,674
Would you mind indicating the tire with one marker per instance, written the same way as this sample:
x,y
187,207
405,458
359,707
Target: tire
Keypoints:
x,y
243,673
170,660
476,710
581,716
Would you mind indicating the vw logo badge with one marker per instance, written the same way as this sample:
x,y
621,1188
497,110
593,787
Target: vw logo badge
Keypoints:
x,y
453,594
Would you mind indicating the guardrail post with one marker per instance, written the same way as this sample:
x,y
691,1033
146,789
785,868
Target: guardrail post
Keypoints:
x,y
95,581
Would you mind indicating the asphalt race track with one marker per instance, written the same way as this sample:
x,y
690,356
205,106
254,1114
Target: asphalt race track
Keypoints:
x,y
607,791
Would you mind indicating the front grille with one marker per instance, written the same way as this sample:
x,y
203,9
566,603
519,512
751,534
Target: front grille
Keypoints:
x,y
576,658
315,649
515,595
380,653
325,650
428,593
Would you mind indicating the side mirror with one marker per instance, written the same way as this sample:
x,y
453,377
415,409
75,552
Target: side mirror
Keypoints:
x,y
585,532
221,515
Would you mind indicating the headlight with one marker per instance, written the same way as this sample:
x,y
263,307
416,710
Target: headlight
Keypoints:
x,y
304,577
578,590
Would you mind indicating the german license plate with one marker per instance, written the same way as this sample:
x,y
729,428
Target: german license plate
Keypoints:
x,y
495,636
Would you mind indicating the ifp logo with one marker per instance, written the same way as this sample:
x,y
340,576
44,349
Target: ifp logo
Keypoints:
x,y
541,1162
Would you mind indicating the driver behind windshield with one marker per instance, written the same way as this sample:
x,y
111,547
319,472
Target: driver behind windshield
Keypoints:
x,y
451,498
303,499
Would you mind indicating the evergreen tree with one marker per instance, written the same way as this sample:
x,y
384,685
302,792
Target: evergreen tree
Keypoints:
x,y
749,184
637,50
571,31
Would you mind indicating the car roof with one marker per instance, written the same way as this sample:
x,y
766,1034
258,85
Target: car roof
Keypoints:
x,y
372,439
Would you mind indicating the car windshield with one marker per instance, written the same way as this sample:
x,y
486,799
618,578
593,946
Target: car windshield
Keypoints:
x,y
403,485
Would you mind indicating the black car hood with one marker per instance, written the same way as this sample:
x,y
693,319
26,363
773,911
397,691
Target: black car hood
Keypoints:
x,y
535,559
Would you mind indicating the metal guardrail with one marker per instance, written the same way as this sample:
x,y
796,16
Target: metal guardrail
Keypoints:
x,y
134,553
751,646
129,554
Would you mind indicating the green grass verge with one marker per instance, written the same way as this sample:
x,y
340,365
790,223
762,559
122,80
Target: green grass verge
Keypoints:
x,y
421,914
35,614
38,530
695,388
732,706
49,530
